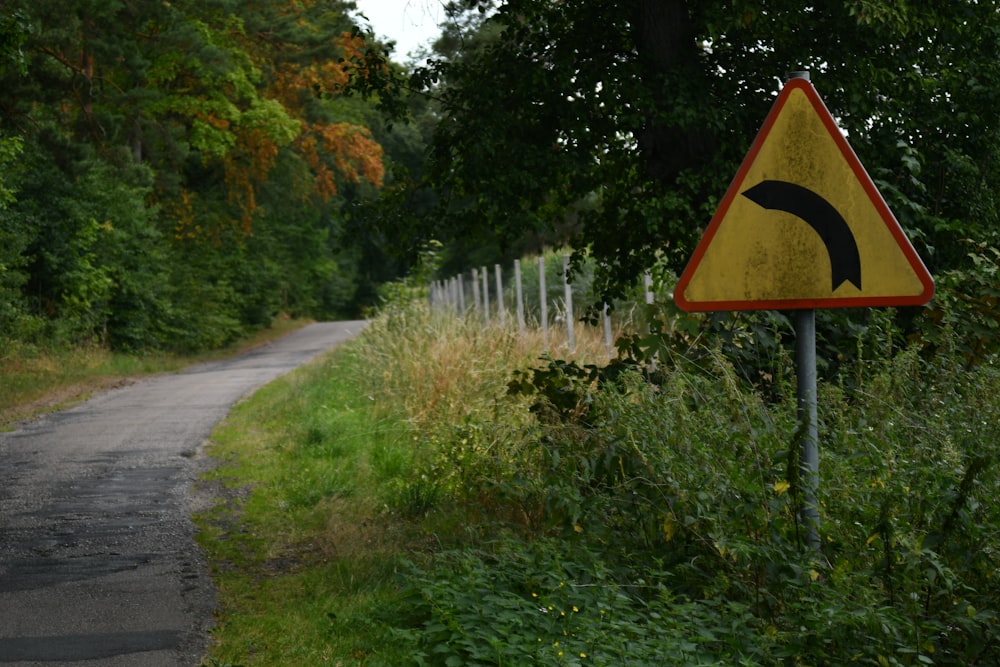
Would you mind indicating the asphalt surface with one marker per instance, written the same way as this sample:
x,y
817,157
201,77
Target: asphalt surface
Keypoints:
x,y
98,563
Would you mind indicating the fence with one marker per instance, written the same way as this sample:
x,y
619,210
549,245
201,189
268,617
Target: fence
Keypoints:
x,y
492,306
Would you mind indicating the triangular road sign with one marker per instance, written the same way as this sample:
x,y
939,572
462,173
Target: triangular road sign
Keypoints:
x,y
802,225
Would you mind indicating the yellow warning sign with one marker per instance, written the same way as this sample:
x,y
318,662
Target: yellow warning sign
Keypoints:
x,y
802,225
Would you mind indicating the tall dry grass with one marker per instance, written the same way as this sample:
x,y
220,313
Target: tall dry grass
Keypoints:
x,y
440,368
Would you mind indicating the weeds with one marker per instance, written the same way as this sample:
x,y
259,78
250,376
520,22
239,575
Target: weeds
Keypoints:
x,y
687,485
547,511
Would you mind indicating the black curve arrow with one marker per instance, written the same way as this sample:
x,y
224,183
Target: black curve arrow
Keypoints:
x,y
821,216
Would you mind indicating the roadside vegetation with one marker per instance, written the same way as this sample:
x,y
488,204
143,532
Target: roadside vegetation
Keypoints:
x,y
436,493
176,175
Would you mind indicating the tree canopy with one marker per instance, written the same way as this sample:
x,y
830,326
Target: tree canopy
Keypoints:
x,y
616,127
175,172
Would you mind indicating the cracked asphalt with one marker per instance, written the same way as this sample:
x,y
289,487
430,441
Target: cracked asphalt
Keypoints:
x,y
98,563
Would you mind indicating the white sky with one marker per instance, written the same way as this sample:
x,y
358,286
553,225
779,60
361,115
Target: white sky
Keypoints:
x,y
410,23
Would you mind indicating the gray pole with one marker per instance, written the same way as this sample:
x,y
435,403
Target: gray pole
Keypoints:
x,y
501,309
568,292
805,372
475,291
486,294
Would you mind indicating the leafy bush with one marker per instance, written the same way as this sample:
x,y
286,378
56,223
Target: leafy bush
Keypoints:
x,y
966,309
552,603
673,507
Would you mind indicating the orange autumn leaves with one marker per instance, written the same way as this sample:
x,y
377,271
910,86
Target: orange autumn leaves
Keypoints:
x,y
331,149
335,152
354,153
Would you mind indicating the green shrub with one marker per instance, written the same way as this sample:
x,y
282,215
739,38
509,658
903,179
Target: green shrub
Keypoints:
x,y
675,504
965,313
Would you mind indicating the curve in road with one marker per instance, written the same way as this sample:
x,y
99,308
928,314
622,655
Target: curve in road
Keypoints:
x,y
98,563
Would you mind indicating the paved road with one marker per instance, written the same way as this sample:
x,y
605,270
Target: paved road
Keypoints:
x,y
98,564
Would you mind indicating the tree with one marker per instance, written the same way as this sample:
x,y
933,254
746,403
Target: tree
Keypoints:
x,y
624,122
185,166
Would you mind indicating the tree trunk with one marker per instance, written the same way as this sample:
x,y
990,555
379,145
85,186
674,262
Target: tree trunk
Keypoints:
x,y
665,41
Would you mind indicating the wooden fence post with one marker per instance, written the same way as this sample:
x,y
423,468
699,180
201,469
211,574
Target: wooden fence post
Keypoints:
x,y
544,301
519,297
568,292
501,309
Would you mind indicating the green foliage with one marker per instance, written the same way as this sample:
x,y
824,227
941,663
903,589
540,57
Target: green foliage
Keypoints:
x,y
14,28
966,308
13,318
89,250
620,125
673,507
400,294
183,171
552,603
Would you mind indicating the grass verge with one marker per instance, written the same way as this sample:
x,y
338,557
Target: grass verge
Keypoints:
x,y
303,556
421,498
327,488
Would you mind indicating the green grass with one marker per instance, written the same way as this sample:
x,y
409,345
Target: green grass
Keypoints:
x,y
324,489
395,504
303,555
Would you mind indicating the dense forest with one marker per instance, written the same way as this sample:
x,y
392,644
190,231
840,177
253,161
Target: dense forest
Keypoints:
x,y
173,174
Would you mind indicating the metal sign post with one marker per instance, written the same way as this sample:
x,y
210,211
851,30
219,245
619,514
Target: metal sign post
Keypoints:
x,y
805,373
